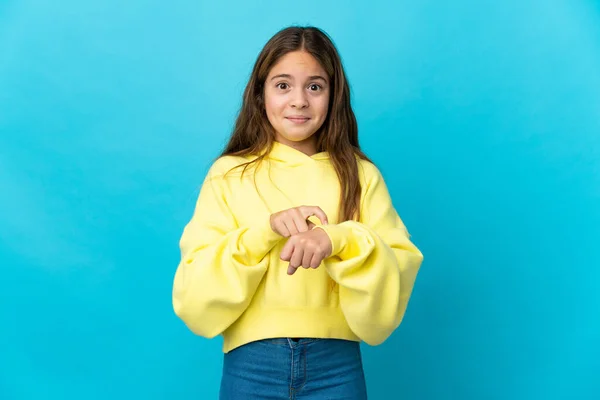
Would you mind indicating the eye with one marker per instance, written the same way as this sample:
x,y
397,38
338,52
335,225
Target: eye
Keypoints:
x,y
315,87
282,86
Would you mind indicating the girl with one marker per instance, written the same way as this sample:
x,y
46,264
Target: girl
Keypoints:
x,y
294,253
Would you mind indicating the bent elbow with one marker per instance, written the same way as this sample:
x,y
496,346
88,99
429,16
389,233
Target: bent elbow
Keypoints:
x,y
377,336
195,320
380,328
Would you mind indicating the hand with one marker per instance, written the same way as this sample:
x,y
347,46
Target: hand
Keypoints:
x,y
294,220
307,249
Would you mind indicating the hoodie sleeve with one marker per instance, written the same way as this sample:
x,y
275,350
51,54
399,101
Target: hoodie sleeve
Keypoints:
x,y
221,263
375,264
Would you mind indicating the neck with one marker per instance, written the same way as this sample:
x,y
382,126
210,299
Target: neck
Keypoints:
x,y
307,146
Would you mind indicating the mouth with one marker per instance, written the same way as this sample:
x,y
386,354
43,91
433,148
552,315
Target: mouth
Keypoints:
x,y
297,119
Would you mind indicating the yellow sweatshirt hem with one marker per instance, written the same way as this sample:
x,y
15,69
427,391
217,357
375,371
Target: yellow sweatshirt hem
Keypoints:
x,y
259,323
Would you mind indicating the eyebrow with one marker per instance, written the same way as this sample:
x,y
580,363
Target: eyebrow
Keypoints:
x,y
288,76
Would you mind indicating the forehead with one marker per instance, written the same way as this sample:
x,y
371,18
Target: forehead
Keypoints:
x,y
298,63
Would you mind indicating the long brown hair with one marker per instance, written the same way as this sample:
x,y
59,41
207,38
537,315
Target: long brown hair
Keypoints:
x,y
253,134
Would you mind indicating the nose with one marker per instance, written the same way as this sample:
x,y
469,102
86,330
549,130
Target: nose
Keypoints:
x,y
299,99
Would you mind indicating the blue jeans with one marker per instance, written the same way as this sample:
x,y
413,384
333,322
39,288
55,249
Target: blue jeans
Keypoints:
x,y
294,369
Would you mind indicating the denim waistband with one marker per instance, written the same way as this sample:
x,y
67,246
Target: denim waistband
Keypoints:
x,y
290,342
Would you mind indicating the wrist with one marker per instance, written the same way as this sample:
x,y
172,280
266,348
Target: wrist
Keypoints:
x,y
337,236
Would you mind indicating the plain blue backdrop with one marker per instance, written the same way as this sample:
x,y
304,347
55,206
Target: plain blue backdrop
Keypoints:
x,y
484,117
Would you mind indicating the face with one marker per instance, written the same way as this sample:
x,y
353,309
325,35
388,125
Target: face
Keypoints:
x,y
297,99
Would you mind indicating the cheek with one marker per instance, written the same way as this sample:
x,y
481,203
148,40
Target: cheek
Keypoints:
x,y
322,105
274,105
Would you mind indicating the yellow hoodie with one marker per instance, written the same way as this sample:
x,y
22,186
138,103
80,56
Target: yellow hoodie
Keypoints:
x,y
231,281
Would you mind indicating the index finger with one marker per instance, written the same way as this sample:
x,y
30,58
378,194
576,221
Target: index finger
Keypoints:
x,y
318,212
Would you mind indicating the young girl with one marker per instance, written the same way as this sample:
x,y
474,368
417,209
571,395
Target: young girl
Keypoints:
x,y
295,253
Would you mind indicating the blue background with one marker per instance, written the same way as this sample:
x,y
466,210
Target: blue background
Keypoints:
x,y
484,117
